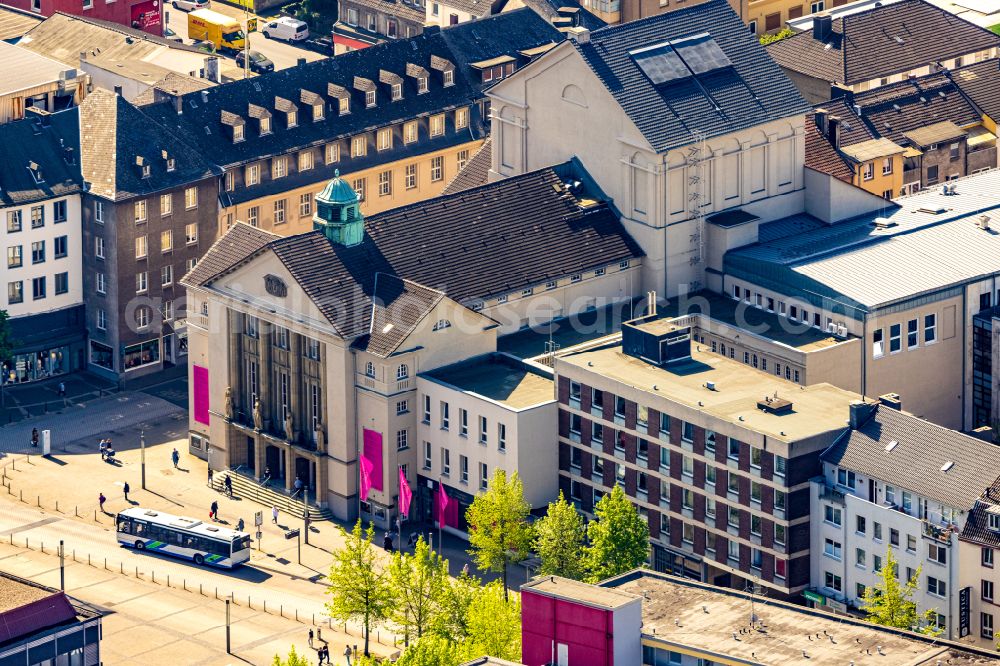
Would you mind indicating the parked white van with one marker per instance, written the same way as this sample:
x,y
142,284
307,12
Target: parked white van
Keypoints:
x,y
286,28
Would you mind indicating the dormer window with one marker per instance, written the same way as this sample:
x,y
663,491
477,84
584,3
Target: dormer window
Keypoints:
x,y
265,126
237,133
36,172
421,85
171,164
314,101
145,171
293,118
140,162
235,125
344,106
397,91
317,113
449,78
369,98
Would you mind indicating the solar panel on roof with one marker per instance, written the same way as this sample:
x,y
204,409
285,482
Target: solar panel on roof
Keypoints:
x,y
701,53
660,63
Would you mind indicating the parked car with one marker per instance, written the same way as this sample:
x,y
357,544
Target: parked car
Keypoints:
x,y
322,45
191,5
287,29
258,61
172,36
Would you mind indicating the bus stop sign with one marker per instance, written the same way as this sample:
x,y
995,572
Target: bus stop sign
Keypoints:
x,y
258,518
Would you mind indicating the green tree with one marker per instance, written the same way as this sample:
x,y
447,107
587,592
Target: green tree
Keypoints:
x,y
417,583
433,650
784,33
619,537
457,595
499,532
358,589
294,659
494,624
890,603
559,540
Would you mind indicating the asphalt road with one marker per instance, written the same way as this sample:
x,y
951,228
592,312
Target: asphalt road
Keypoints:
x,y
282,54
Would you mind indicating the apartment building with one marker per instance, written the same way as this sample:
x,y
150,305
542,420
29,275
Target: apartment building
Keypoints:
x,y
901,483
716,455
651,618
40,206
907,280
149,213
978,546
398,121
392,19
902,137
492,412
739,141
305,350
836,55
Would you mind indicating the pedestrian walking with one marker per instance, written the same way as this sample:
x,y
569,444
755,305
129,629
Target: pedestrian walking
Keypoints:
x,y
175,457
412,540
310,638
214,514
347,654
387,542
34,436
239,525
103,447
274,514
102,499
126,489
298,485
324,654
209,477
62,390
228,483
465,569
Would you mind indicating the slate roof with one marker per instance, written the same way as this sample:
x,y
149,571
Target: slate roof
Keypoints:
x,y
977,524
915,462
549,9
403,10
494,239
475,172
200,122
882,41
238,244
114,133
750,92
821,155
38,140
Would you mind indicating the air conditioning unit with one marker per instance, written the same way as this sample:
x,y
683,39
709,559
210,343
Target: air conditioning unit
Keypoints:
x,y
841,331
831,328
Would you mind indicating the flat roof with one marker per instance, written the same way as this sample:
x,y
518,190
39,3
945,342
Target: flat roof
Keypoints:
x,y
593,595
715,619
25,69
504,379
816,409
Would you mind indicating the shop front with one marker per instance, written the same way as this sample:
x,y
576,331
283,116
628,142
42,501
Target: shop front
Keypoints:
x,y
48,345
427,504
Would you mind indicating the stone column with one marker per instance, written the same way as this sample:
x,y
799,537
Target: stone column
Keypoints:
x,y
266,370
295,405
235,362
258,457
289,468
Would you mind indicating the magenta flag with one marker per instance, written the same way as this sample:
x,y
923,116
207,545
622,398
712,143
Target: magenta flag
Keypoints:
x,y
366,476
373,451
442,503
405,494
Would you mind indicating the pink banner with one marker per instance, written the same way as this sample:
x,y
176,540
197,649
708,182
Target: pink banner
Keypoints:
x,y
365,468
442,505
199,391
405,494
373,451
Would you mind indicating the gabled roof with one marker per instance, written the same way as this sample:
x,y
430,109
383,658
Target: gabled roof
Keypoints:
x,y
114,133
494,239
398,306
981,82
977,525
475,172
919,459
14,22
52,142
823,157
234,247
199,124
882,41
736,86
24,69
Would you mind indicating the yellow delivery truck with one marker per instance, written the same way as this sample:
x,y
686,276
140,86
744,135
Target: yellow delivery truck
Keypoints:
x,y
221,31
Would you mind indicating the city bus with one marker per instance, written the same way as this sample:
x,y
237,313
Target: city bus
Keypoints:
x,y
203,543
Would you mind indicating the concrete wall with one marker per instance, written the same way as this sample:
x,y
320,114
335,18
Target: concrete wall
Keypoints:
x,y
832,200
971,574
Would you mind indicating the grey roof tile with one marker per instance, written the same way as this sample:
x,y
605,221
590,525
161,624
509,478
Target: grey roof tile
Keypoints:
x,y
915,463
475,172
49,142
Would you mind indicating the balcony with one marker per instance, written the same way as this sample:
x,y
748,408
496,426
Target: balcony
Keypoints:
x,y
390,387
831,495
940,533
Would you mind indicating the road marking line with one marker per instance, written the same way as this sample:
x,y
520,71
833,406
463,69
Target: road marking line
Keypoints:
x,y
31,526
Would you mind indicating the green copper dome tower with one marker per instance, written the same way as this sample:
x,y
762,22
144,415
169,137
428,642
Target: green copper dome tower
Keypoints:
x,y
337,214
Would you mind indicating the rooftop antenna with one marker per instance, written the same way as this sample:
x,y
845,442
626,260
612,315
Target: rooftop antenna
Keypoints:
x,y
754,589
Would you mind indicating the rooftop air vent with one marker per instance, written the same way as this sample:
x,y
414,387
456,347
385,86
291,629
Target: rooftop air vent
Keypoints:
x,y
884,223
947,466
984,222
774,404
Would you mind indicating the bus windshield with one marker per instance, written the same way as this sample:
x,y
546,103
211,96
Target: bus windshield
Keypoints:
x,y
241,543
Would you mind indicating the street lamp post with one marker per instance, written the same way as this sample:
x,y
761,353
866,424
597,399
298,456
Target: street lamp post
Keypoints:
x,y
142,449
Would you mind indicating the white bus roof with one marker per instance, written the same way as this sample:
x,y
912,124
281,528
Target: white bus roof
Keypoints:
x,y
192,525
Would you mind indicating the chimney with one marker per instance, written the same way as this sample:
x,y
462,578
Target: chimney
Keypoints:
x,y
820,117
118,90
212,70
891,400
300,62
580,35
984,222
833,131
178,103
822,27
860,413
83,57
